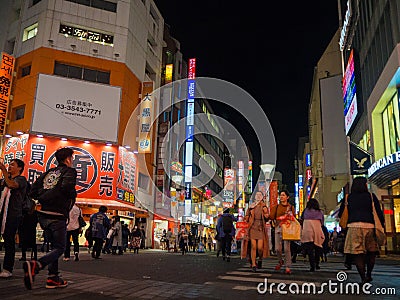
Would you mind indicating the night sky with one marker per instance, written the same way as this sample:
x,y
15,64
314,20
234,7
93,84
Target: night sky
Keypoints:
x,y
268,48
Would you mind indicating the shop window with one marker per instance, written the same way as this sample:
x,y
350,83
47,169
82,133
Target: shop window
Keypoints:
x,y
30,32
103,77
18,113
81,73
143,181
100,4
397,214
391,126
25,71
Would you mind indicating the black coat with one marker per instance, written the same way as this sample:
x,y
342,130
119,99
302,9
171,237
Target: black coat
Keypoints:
x,y
360,208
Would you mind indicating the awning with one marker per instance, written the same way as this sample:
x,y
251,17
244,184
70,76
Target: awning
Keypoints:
x,y
161,217
111,204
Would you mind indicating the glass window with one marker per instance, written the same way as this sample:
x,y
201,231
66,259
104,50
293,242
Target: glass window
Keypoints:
x,y
143,181
74,72
25,71
89,75
391,126
397,214
18,113
103,77
61,69
30,32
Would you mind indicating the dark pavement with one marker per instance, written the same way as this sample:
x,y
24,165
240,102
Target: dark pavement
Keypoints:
x,y
154,274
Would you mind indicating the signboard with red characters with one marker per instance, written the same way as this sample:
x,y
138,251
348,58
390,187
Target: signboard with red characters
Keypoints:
x,y
101,171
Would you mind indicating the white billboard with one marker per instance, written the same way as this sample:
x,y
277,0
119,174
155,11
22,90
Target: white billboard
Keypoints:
x,y
75,108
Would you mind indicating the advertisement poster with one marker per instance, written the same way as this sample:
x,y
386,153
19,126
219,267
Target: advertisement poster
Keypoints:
x,y
101,173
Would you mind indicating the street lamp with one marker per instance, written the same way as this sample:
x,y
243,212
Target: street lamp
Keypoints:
x,y
267,169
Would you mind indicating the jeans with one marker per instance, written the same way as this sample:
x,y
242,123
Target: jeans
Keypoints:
x,y
278,247
226,242
98,245
56,231
10,231
75,236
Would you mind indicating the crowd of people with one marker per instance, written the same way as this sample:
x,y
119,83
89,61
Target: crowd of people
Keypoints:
x,y
61,220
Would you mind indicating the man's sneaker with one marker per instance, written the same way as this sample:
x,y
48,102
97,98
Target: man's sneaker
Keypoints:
x,y
31,268
5,274
66,259
55,282
76,256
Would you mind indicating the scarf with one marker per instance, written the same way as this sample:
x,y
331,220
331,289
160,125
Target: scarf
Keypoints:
x,y
4,200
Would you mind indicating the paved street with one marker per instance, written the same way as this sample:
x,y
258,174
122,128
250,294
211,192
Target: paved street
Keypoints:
x,y
158,275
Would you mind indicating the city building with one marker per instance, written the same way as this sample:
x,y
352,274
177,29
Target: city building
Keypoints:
x,y
371,35
81,68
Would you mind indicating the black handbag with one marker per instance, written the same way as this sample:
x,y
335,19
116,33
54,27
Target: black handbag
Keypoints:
x,y
81,221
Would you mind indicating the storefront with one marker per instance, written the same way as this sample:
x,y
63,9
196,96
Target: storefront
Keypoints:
x,y
161,223
106,174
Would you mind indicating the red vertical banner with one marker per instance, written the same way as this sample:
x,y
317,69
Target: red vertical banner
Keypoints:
x,y
6,76
127,175
273,193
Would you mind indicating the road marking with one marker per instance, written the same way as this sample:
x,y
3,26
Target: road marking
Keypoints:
x,y
249,273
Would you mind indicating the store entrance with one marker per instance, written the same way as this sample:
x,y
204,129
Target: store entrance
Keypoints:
x,y
391,211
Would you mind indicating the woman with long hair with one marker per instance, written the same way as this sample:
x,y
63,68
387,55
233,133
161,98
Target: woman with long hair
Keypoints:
x,y
256,216
360,239
312,236
277,213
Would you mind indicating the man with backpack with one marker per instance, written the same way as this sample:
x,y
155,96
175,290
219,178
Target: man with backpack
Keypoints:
x,y
12,187
55,191
226,231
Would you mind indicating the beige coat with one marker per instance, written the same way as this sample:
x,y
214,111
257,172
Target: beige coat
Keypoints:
x,y
312,232
245,243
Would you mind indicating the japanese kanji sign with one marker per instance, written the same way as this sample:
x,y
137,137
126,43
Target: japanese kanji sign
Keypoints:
x,y
146,118
96,165
6,75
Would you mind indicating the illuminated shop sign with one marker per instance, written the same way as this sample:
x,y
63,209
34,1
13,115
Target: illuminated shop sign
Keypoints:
x,y
189,136
6,75
308,160
384,162
349,94
344,34
146,117
168,73
87,35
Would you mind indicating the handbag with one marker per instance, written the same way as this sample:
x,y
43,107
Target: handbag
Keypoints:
x,y
345,215
379,232
81,221
291,230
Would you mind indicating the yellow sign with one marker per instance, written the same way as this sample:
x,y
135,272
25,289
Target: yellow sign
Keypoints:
x,y
301,201
146,118
6,75
168,73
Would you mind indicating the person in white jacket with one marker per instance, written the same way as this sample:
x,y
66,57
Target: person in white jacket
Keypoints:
x,y
73,230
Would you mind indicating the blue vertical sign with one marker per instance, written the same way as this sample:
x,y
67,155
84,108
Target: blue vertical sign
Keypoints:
x,y
189,136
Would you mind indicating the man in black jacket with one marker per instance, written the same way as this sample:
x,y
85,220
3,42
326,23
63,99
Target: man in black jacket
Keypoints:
x,y
55,190
12,187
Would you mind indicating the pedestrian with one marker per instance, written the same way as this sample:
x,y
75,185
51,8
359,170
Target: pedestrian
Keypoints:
x,y
209,241
168,238
312,236
55,191
143,242
27,232
73,231
218,238
163,240
183,241
325,245
256,216
360,238
227,230
109,238
333,239
117,237
13,189
100,225
136,239
125,235
278,212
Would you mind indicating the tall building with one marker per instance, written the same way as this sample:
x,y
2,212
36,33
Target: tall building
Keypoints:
x,y
326,170
371,36
81,68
